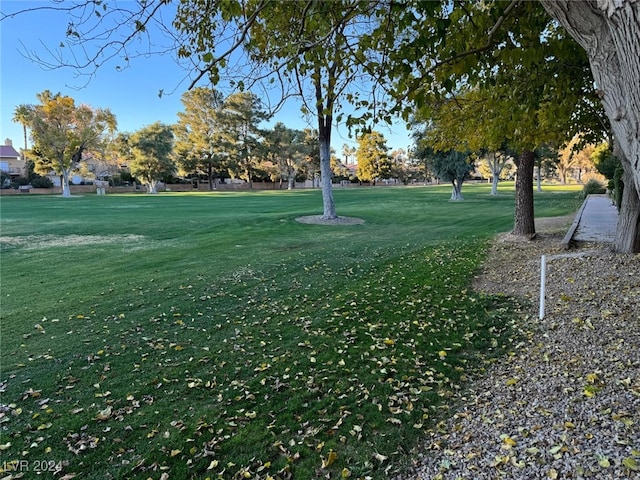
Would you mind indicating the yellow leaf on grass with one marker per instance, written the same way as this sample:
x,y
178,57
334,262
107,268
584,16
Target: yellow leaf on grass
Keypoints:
x,y
4,446
346,473
175,452
330,459
213,464
442,354
389,341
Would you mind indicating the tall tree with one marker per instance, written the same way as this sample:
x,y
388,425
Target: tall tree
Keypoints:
x,y
288,149
372,156
450,166
574,156
240,120
400,168
348,152
199,136
150,154
62,132
318,57
494,164
22,115
528,75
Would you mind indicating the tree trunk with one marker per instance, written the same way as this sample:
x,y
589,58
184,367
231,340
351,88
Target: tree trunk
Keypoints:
x,y
212,184
24,152
524,224
609,31
66,191
247,173
628,229
563,176
324,136
494,184
456,191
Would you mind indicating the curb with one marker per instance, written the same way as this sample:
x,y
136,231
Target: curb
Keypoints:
x,y
566,241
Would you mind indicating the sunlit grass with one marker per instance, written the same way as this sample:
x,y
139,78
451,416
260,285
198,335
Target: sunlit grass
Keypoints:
x,y
212,335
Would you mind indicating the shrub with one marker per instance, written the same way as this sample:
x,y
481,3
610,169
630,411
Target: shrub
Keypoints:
x,y
618,186
593,186
5,179
20,181
41,182
126,176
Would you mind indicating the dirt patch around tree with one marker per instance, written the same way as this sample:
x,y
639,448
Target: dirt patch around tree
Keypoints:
x,y
320,220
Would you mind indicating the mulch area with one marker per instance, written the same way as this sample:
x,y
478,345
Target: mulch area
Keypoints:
x,y
565,401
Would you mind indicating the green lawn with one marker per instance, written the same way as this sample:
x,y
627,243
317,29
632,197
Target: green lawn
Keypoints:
x,y
213,336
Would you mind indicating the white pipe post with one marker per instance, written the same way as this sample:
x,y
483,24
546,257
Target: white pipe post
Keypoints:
x,y
543,275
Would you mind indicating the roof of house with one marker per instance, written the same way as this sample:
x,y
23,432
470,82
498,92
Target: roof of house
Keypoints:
x,y
8,151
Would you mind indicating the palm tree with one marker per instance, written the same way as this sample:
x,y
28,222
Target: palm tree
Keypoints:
x,y
348,152
22,115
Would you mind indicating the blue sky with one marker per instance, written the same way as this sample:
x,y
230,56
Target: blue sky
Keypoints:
x,y
131,93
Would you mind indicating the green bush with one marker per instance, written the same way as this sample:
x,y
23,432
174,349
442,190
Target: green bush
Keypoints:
x,y
618,186
41,182
5,179
593,187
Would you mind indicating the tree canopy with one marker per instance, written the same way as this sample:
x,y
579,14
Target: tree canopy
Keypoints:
x,y
373,158
62,132
199,136
150,154
240,118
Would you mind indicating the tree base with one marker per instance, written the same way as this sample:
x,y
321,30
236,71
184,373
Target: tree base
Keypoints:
x,y
321,220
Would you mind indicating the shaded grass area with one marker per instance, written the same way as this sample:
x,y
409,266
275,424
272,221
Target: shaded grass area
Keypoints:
x,y
213,336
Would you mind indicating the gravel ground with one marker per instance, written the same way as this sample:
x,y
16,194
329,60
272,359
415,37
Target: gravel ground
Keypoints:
x,y
565,403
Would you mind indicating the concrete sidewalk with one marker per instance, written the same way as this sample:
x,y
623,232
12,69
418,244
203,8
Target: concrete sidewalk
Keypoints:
x,y
596,221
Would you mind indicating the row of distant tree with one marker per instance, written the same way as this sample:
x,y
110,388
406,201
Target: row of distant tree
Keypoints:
x,y
215,137
218,137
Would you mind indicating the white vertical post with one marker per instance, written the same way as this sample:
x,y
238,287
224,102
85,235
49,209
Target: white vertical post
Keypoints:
x,y
543,274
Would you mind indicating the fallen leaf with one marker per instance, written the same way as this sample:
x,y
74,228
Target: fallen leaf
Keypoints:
x,y
104,414
330,459
631,463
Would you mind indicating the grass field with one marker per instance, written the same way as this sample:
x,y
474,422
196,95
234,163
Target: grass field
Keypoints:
x,y
212,336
